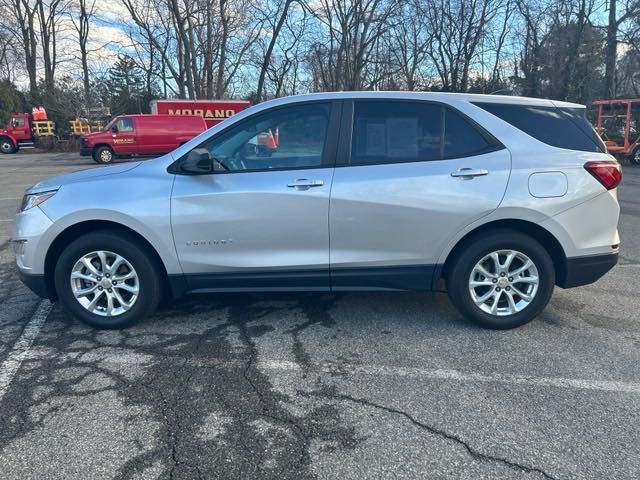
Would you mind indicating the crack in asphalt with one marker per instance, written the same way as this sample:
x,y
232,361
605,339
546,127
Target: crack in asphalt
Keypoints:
x,y
171,410
317,314
241,324
441,433
171,435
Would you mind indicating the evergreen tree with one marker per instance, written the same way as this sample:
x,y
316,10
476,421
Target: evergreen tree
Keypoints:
x,y
11,101
125,89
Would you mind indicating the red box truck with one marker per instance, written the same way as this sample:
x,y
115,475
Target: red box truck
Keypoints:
x,y
213,111
140,135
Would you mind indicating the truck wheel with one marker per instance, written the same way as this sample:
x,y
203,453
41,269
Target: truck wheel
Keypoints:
x,y
7,146
103,155
634,158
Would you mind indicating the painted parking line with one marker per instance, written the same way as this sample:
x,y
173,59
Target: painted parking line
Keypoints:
x,y
21,348
459,376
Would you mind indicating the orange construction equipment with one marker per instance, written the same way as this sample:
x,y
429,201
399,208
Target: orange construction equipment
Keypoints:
x,y
268,139
618,123
38,113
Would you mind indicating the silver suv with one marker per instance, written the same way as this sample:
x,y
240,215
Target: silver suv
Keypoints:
x,y
496,199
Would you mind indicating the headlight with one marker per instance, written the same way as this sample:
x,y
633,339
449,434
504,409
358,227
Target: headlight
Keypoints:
x,y
35,199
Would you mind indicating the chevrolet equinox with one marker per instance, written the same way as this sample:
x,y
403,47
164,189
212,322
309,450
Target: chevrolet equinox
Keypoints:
x,y
497,199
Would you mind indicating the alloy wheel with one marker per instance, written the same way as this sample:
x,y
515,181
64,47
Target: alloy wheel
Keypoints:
x,y
504,282
105,283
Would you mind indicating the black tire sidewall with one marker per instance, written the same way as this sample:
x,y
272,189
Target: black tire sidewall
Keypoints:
x,y
632,157
150,285
458,277
12,148
98,152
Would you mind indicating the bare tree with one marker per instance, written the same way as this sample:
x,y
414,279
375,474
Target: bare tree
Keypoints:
x,y
497,39
48,14
26,34
458,26
81,16
201,45
10,55
353,28
281,14
285,66
534,17
617,16
409,43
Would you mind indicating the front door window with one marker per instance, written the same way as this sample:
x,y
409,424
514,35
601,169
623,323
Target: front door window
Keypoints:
x,y
125,125
288,138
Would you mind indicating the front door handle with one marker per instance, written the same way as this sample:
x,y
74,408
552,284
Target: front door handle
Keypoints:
x,y
470,172
304,184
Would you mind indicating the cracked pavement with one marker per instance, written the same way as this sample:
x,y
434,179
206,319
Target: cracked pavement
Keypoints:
x,y
326,386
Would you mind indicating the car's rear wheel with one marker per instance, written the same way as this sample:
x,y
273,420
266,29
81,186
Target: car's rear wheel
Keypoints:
x,y
103,155
106,280
634,158
501,279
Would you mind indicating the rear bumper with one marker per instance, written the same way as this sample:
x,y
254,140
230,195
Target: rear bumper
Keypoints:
x,y
585,270
36,283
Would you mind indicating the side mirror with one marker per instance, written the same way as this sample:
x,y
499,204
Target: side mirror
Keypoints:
x,y
114,129
198,161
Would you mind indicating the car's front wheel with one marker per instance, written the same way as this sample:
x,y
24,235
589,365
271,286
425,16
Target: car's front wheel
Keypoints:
x,y
502,279
106,280
634,158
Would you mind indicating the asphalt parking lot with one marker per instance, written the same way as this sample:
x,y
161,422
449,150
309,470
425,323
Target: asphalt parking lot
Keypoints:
x,y
348,386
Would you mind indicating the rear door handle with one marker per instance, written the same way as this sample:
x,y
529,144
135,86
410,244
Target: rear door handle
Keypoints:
x,y
470,172
304,184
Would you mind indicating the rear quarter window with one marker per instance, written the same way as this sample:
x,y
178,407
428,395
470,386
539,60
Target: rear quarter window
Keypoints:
x,y
461,139
560,127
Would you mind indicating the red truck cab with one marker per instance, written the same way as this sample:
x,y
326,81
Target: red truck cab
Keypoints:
x,y
17,134
140,135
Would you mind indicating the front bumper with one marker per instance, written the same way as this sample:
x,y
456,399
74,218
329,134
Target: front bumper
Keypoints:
x,y
85,151
29,242
36,283
580,271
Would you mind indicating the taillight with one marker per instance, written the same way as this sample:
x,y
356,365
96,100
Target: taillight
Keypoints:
x,y
607,173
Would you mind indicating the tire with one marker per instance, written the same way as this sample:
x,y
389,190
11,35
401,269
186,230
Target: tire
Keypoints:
x,y
634,158
146,279
103,155
507,314
7,146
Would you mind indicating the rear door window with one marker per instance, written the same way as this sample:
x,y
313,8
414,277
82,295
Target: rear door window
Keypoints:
x,y
561,127
396,132
399,132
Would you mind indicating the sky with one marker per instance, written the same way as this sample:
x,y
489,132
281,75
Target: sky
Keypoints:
x,y
108,38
